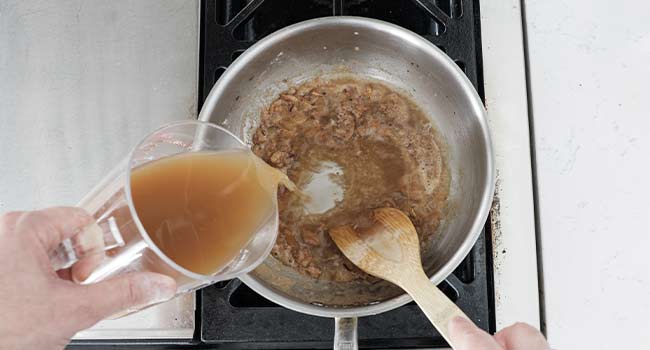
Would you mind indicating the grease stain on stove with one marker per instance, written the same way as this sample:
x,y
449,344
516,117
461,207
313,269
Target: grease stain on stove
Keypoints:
x,y
495,225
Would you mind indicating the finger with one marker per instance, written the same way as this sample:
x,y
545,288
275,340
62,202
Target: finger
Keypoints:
x,y
91,242
64,274
522,336
131,291
53,225
501,342
9,220
467,336
84,267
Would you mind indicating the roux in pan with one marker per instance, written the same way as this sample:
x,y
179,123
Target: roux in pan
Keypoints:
x,y
371,145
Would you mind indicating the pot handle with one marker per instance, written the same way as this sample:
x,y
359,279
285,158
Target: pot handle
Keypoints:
x,y
345,333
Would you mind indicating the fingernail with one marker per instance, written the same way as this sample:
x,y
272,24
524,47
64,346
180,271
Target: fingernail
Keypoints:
x,y
458,322
154,287
158,288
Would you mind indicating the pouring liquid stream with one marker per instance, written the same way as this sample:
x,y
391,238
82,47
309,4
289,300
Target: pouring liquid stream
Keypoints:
x,y
202,208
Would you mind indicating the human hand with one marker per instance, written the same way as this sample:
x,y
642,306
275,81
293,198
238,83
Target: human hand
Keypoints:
x,y
43,309
519,336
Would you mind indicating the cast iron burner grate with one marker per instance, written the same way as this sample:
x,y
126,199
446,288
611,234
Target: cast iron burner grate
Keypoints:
x,y
229,27
230,313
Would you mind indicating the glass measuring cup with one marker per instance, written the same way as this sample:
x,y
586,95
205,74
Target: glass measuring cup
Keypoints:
x,y
118,236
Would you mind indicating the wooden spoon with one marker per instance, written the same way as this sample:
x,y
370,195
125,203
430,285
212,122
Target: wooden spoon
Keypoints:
x,y
389,249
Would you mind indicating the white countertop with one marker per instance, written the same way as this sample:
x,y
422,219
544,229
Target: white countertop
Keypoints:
x,y
80,83
589,75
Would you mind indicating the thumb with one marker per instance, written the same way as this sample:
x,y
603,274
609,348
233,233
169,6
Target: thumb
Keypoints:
x,y
126,292
467,336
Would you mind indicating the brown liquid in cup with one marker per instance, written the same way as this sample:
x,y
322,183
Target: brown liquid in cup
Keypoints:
x,y
202,208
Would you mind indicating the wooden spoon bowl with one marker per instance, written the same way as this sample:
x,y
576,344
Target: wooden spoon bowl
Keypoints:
x,y
390,249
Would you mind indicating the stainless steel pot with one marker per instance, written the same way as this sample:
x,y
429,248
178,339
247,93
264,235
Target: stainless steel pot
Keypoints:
x,y
334,46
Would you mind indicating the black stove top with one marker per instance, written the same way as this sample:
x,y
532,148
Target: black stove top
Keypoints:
x,y
231,314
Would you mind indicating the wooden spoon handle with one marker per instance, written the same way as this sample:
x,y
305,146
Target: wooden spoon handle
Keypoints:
x,y
434,303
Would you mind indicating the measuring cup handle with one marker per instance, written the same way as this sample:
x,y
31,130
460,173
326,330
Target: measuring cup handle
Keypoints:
x,y
92,239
